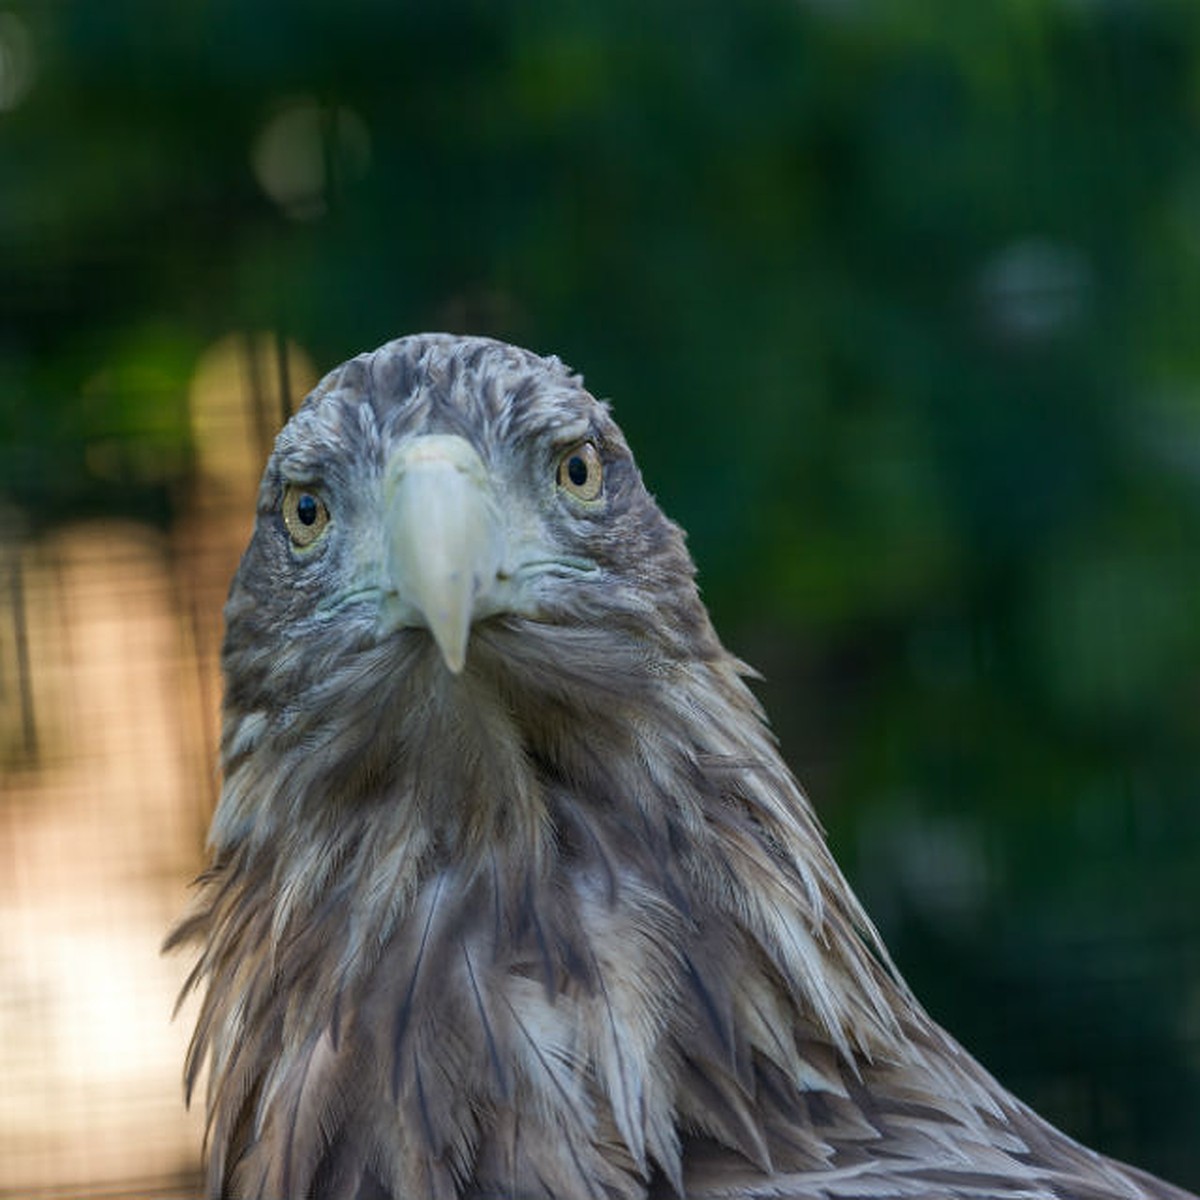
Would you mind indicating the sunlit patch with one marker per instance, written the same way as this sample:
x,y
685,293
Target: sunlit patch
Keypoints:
x,y
243,388
138,395
98,834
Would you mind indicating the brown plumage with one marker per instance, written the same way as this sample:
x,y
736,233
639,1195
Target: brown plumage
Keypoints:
x,y
511,894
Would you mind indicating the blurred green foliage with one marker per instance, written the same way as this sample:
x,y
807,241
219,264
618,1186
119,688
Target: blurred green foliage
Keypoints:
x,y
897,303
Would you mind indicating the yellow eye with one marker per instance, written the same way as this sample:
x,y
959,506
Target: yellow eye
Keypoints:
x,y
580,472
304,514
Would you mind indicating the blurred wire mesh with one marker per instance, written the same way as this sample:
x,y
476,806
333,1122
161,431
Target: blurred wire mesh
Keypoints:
x,y
109,634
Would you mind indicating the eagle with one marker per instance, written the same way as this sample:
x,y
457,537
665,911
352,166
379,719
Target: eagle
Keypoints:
x,y
510,892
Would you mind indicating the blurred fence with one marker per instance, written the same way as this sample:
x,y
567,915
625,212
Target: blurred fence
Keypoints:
x,y
101,825
109,692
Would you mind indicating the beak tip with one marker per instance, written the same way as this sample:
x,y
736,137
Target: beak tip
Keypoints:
x,y
452,647
455,661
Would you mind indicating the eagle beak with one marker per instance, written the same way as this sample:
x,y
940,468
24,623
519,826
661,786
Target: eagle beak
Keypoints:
x,y
443,540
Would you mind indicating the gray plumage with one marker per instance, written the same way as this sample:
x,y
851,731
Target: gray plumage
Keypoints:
x,y
511,894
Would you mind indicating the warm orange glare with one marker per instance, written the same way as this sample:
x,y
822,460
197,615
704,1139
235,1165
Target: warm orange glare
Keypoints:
x,y
236,403
97,842
109,635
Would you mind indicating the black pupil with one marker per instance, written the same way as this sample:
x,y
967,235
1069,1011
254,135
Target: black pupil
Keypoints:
x,y
577,470
306,509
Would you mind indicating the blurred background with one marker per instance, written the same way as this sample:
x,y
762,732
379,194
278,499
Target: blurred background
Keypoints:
x,y
899,307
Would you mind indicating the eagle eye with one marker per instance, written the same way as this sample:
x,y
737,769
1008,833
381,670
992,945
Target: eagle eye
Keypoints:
x,y
581,472
304,515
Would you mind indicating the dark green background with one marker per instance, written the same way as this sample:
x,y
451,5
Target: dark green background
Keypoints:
x,y
897,303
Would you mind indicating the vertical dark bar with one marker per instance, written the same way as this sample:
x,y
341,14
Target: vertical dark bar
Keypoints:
x,y
285,382
264,430
29,738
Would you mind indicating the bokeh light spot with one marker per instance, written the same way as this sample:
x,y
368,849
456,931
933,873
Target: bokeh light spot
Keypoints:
x,y
235,406
304,150
16,61
1034,289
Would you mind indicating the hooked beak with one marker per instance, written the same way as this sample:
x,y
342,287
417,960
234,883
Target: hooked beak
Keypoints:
x,y
444,543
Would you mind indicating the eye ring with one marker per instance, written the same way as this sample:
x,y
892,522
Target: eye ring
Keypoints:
x,y
305,514
581,472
